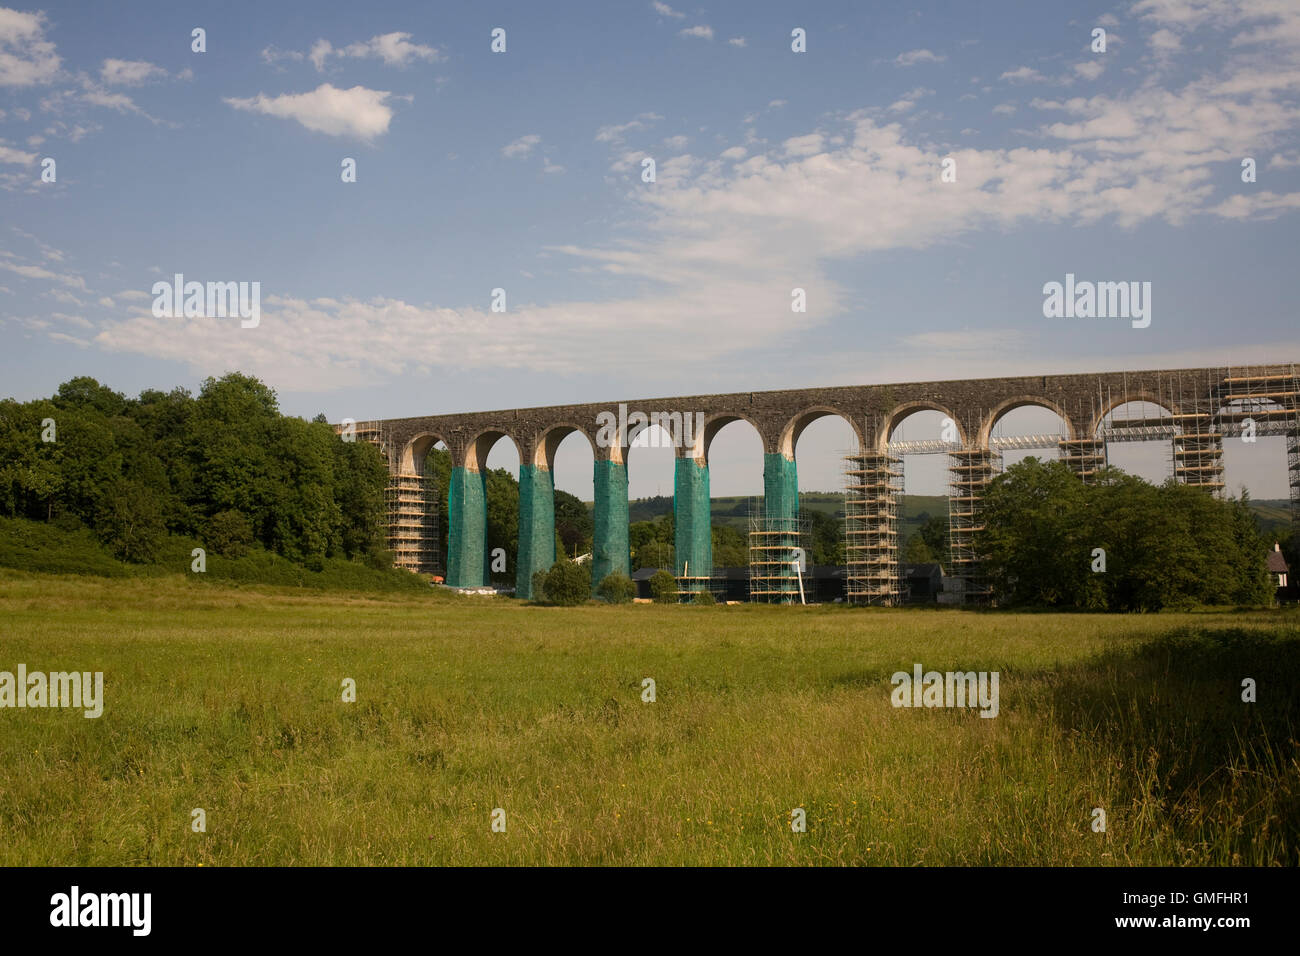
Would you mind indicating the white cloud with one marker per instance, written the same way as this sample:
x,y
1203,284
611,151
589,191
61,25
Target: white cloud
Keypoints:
x,y
735,152
129,72
913,57
774,104
908,99
1023,74
1089,69
737,41
357,112
804,145
1004,109
550,167
676,142
521,147
38,272
617,133
15,157
1258,206
703,31
666,11
26,57
394,49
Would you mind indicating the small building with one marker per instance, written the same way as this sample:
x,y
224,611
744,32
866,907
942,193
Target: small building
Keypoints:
x,y
1279,571
922,583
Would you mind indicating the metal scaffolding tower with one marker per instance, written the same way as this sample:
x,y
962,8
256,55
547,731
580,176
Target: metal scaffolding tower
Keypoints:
x,y
970,470
411,506
773,544
872,484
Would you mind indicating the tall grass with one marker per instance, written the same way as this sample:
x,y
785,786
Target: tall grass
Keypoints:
x,y
230,700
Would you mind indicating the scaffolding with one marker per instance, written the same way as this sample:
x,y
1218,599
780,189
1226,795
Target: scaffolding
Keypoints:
x,y
970,470
410,504
872,484
1083,456
775,542
1265,401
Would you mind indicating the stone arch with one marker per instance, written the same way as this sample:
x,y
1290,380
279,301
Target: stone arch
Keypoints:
x,y
713,424
789,438
548,441
1021,401
478,447
1128,398
891,420
413,453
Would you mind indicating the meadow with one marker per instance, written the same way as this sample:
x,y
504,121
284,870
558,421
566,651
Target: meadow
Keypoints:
x,y
229,698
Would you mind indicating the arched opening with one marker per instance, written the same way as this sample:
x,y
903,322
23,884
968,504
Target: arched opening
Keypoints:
x,y
734,451
1139,438
572,458
416,503
650,457
917,464
1255,460
497,457
1027,431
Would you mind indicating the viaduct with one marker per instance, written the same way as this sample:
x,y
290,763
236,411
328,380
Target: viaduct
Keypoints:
x,y
1196,409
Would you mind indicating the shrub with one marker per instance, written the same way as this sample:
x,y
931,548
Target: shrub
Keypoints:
x,y
130,522
616,588
704,597
663,588
568,583
539,586
229,534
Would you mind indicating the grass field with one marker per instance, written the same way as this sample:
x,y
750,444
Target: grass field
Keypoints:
x,y
229,699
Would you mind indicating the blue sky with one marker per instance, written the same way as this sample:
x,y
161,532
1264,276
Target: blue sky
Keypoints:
x,y
522,171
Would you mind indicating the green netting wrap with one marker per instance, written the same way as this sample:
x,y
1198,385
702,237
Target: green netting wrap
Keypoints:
x,y
780,487
692,523
780,530
467,529
536,527
610,551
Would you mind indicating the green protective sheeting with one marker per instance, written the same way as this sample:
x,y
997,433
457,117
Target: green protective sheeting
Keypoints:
x,y
610,552
467,529
692,523
536,527
780,487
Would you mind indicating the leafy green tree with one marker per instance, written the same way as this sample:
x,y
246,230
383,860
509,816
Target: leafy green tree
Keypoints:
x,y
934,532
729,548
616,588
917,551
568,583
574,528
228,534
130,522
704,597
663,587
503,518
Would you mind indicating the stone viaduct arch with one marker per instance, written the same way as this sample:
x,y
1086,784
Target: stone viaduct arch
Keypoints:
x,y
1194,398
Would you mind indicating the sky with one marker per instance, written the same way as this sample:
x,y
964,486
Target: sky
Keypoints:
x,y
522,170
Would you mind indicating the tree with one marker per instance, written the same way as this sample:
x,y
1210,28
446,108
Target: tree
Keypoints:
x,y
917,551
229,534
568,583
130,522
663,588
574,528
616,588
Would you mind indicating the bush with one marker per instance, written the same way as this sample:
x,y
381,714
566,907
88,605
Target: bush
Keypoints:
x,y
568,583
616,588
229,534
539,586
704,597
663,588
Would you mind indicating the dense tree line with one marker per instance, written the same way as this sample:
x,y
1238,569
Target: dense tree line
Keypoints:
x,y
224,467
1118,543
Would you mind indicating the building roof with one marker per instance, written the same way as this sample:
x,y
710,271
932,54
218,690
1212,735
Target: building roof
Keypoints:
x,y
1277,563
